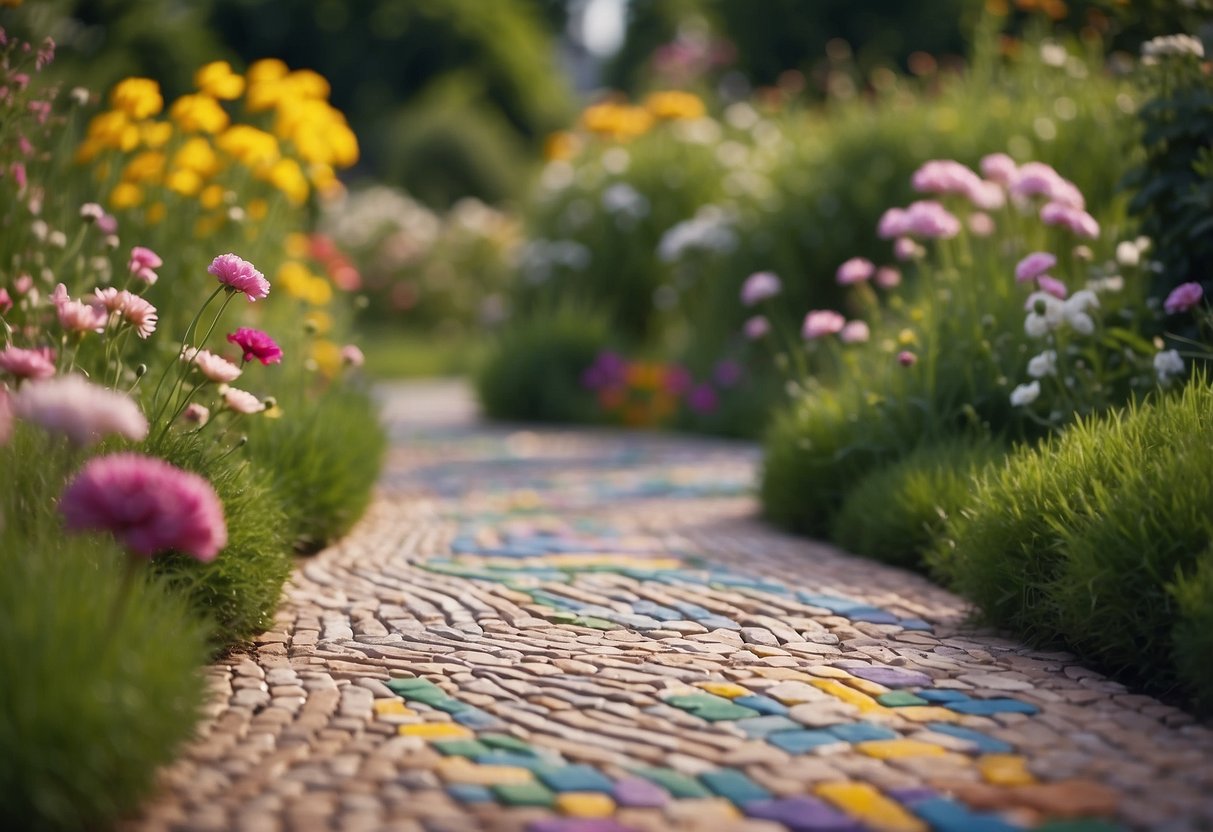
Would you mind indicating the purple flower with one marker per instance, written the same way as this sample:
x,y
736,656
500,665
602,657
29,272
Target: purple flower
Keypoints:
x,y
887,277
240,276
759,287
1183,297
822,322
728,373
1034,265
703,399
855,270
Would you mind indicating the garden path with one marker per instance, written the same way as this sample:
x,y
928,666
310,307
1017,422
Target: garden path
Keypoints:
x,y
572,629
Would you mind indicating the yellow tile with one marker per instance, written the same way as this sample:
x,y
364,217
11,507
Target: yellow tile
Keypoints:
x,y
395,707
895,749
864,686
726,689
585,804
437,731
868,805
927,713
459,770
1005,770
849,695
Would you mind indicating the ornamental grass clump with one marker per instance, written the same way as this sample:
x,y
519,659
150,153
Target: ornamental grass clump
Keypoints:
x,y
1098,541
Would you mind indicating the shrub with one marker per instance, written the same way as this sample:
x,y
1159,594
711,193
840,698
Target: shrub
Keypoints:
x,y
895,513
1091,540
240,589
535,372
1193,634
322,463
98,660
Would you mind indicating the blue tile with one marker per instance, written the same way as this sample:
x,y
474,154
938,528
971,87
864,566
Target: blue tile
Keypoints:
x,y
862,732
763,704
985,743
731,784
467,793
576,778
799,742
943,696
989,707
476,719
948,816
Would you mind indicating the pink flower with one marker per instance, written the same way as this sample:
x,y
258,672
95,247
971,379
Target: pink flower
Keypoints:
x,y
77,316
1183,297
196,414
855,270
91,212
906,358
887,277
1000,168
893,223
35,364
80,410
1038,179
988,196
981,224
757,327
855,332
944,176
17,170
136,311
1053,286
142,264
931,220
820,322
240,276
6,301
149,505
352,356
214,367
759,287
1034,265
906,249
256,344
6,417
240,401
1078,221
23,284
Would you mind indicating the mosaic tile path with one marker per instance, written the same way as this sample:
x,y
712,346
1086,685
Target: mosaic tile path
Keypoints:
x,y
581,631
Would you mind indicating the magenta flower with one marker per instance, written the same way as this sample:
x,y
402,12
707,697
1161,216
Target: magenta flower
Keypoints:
x,y
759,287
240,276
677,380
703,399
82,411
944,176
1078,221
757,327
822,322
728,373
256,345
240,401
149,505
35,364
1053,286
1183,297
1034,265
1036,179
352,356
1000,168
142,264
855,332
906,358
855,270
214,367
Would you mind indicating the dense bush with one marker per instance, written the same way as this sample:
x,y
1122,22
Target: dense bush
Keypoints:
x,y
1097,540
896,513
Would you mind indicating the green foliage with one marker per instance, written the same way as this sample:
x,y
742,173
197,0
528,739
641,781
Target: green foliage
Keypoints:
x,y
534,372
1193,634
99,661
240,589
895,513
322,462
1082,541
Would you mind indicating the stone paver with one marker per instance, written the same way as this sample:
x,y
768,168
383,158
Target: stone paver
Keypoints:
x,y
581,630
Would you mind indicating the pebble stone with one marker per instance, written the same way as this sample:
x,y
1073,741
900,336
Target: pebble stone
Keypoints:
x,y
567,630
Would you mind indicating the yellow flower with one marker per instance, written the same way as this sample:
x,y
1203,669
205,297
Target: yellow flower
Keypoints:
x,y
907,338
155,134
147,167
319,292
183,181
318,321
257,209
156,213
125,195
287,176
306,83
296,245
293,278
323,179
88,150
199,114
217,79
267,69
560,145
211,197
620,121
675,104
327,355
138,98
196,154
253,148
113,129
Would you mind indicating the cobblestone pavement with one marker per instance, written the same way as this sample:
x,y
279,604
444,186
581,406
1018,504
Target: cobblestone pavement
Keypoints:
x,y
562,630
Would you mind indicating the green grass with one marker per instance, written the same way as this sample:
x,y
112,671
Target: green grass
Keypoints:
x,y
99,663
1098,541
396,353
895,513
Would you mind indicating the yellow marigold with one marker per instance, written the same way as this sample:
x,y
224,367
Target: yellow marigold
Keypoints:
x,y
560,145
267,69
263,95
196,154
217,79
88,150
138,98
327,355
293,278
183,181
258,209
620,121
114,129
155,134
674,104
318,321
199,114
319,292
306,83
296,245
156,212
253,148
323,179
211,197
125,195
146,167
287,176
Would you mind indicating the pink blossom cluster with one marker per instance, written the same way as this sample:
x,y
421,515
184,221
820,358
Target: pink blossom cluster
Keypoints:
x,y
76,315
947,177
214,367
131,308
84,412
27,364
760,286
926,219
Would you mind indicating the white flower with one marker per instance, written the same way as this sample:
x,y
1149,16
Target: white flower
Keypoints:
x,y
1167,364
1045,314
1025,394
1127,253
1053,53
616,160
709,230
1074,309
624,200
1043,365
1166,45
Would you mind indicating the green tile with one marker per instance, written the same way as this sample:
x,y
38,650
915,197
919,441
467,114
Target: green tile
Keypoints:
x,y
900,699
525,794
678,785
460,748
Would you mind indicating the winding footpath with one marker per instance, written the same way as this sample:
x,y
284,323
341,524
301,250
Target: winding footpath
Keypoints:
x,y
572,630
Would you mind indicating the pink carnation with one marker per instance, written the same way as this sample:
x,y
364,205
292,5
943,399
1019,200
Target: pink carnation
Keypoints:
x,y
256,345
196,414
1053,286
759,287
80,410
133,309
240,275
214,367
1000,168
893,223
240,401
1036,179
35,364
1183,297
1078,221
988,196
855,270
149,505
142,264
352,356
757,327
820,322
931,220
1034,265
77,316
855,332
944,176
